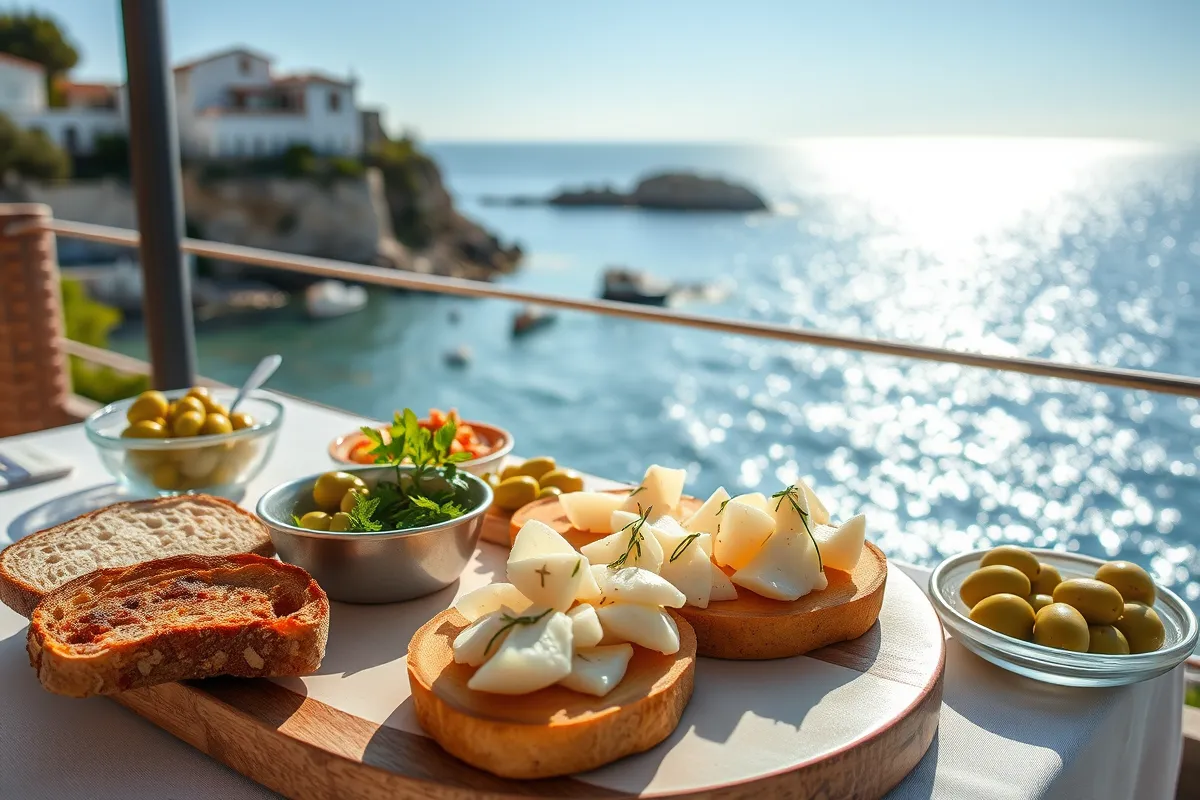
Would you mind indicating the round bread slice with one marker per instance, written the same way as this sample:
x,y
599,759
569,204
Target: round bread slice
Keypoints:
x,y
755,628
554,731
124,534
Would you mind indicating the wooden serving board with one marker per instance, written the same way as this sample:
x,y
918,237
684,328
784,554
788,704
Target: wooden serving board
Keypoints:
x,y
847,720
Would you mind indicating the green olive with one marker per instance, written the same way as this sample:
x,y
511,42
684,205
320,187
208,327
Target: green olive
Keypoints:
x,y
491,479
330,489
1005,613
1107,639
511,471
148,405
1046,580
240,420
1013,556
145,429
201,393
1099,603
316,521
549,491
224,473
188,403
1061,626
1133,582
1142,628
348,499
516,492
1039,601
996,579
188,423
565,480
213,407
215,425
536,467
340,522
166,476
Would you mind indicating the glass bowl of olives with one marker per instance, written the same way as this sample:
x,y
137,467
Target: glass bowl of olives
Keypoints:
x,y
185,441
1063,618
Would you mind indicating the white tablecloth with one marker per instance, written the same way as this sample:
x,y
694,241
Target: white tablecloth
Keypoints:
x,y
1001,736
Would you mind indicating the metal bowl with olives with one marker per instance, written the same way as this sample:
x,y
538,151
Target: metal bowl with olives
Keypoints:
x,y
1063,618
165,443
351,545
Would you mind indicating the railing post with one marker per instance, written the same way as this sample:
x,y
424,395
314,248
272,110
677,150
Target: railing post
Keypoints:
x,y
154,159
33,365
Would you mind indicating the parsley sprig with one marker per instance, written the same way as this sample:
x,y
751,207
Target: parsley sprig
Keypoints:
x,y
791,494
426,494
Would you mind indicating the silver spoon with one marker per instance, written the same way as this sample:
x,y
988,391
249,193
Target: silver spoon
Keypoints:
x,y
261,374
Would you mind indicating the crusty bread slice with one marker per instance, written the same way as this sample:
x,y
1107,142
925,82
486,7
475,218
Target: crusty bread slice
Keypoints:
x,y
123,534
175,619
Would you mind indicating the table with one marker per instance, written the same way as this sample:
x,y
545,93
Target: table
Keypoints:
x,y
1001,736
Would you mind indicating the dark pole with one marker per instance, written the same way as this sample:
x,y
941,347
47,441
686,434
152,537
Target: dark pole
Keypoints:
x,y
154,159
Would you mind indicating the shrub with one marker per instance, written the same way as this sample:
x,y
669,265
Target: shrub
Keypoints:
x,y
299,161
109,158
30,154
346,167
39,158
90,322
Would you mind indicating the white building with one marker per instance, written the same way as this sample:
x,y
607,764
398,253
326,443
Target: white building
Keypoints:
x,y
91,110
229,105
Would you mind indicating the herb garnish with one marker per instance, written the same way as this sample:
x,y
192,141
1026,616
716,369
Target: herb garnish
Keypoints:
x,y
635,492
511,622
424,495
682,547
791,494
360,516
635,538
575,571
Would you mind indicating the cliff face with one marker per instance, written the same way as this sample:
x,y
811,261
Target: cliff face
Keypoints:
x,y
384,218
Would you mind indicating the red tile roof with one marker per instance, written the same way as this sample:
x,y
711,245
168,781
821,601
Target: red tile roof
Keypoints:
x,y
88,89
311,77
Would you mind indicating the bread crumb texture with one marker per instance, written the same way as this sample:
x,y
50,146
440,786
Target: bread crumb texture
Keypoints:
x,y
129,533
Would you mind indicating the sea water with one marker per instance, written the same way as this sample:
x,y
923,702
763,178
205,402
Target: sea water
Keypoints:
x,y
1081,251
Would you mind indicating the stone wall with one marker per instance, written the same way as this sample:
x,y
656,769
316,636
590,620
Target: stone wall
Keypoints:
x,y
346,219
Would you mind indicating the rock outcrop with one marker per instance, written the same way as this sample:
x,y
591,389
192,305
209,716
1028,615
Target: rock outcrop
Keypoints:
x,y
672,191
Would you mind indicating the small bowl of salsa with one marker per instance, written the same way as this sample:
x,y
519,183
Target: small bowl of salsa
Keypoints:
x,y
487,444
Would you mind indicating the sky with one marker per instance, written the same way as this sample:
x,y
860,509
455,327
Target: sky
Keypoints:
x,y
682,70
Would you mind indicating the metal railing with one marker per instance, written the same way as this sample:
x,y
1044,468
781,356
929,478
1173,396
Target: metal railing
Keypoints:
x,y
379,276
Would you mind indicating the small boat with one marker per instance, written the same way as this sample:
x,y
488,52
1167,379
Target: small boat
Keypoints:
x,y
530,319
630,286
459,357
327,299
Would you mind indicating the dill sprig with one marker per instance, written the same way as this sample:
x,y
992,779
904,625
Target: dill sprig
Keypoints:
x,y
791,494
511,622
635,492
635,538
682,547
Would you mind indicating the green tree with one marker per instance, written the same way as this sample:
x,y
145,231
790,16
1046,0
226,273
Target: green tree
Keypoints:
x,y
30,154
41,39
